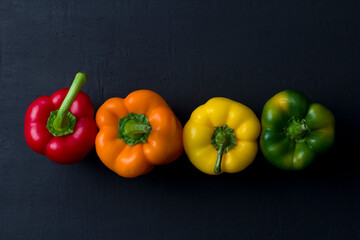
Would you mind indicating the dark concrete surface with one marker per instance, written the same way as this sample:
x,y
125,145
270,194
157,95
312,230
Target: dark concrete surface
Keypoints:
x,y
188,52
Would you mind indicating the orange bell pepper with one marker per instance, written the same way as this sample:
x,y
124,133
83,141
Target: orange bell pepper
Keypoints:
x,y
136,133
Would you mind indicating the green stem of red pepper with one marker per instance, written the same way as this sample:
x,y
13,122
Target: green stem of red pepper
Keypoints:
x,y
62,122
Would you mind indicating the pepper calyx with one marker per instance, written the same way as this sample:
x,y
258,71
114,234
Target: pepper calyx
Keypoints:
x,y
68,129
134,128
296,129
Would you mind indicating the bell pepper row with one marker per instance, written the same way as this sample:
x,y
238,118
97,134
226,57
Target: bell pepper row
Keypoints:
x,y
141,131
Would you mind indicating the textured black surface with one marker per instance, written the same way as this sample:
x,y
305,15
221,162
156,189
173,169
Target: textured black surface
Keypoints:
x,y
188,52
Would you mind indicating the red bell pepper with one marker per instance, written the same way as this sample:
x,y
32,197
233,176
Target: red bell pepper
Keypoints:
x,y
62,126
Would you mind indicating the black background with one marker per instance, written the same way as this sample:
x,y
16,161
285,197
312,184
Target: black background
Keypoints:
x,y
188,52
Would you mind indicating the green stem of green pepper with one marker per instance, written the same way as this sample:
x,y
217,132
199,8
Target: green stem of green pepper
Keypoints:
x,y
296,129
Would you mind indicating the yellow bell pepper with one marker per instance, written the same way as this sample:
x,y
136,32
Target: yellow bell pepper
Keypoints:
x,y
221,136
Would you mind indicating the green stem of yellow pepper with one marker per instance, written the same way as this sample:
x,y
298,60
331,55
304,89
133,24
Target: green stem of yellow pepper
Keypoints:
x,y
223,139
217,168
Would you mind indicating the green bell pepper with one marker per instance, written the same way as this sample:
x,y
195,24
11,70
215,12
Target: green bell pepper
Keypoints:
x,y
294,130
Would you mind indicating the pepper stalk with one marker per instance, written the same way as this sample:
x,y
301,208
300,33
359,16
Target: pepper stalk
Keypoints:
x,y
223,139
134,128
62,122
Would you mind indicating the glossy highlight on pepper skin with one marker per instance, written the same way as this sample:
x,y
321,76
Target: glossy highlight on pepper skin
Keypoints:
x,y
294,130
67,149
199,130
164,142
